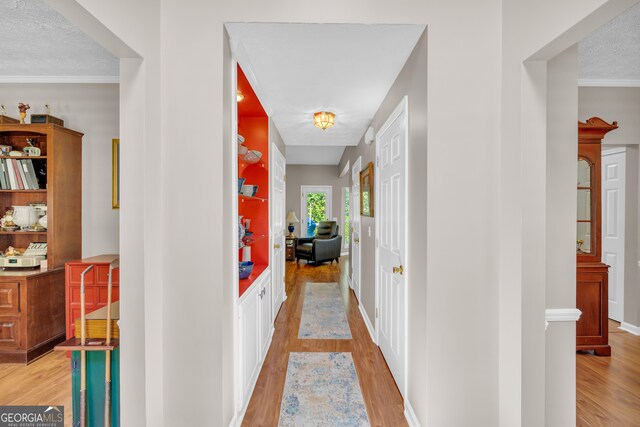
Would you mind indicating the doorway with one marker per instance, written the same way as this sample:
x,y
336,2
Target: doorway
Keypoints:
x,y
613,226
315,206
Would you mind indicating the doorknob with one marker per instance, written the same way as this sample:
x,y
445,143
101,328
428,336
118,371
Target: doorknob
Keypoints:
x,y
276,246
399,270
356,240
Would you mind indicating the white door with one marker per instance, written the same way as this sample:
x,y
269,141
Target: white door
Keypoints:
x,y
354,216
278,204
391,261
613,205
315,206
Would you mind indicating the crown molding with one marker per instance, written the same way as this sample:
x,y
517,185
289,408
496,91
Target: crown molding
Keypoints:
x,y
608,83
60,79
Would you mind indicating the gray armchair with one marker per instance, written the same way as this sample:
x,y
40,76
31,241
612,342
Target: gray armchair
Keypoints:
x,y
324,246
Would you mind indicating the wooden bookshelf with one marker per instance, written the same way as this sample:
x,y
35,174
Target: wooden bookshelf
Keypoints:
x,y
33,319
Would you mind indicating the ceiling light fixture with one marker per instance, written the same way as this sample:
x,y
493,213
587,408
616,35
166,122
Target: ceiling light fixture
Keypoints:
x,y
240,96
323,119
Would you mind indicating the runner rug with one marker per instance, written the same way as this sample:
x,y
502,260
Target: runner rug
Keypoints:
x,y
323,313
321,389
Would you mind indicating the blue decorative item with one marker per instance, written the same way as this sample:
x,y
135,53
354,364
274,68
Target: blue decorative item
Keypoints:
x,y
246,267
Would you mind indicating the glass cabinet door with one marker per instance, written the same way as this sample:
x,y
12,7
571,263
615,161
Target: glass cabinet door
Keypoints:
x,y
584,235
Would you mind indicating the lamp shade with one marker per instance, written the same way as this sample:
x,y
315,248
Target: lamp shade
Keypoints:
x,y
323,119
292,218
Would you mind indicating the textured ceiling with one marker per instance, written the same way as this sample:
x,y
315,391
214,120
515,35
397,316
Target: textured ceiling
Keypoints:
x,y
38,41
303,68
612,52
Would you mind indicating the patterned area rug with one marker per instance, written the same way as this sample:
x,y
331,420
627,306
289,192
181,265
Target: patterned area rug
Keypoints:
x,y
321,389
323,313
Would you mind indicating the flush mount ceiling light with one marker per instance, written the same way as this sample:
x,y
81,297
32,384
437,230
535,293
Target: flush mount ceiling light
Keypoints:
x,y
323,119
240,96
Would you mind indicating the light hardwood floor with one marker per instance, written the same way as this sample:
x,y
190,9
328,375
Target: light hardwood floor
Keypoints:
x,y
381,396
47,381
608,388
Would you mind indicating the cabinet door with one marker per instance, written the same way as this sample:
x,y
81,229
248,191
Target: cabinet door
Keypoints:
x,y
249,340
266,325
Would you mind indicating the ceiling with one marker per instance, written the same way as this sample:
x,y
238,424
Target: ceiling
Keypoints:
x,y
612,52
38,42
297,69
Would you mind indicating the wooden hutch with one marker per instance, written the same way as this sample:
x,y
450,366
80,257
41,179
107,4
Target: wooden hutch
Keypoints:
x,y
32,307
592,287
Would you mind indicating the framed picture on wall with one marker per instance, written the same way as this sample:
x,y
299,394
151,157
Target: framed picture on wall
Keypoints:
x,y
115,173
366,190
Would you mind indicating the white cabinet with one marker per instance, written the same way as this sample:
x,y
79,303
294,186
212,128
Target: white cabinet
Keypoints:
x,y
256,328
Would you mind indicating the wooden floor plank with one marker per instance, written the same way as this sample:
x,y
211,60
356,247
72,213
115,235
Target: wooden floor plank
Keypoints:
x,y
47,381
381,396
608,388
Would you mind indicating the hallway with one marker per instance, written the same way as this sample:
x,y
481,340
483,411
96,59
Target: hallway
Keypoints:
x,y
381,396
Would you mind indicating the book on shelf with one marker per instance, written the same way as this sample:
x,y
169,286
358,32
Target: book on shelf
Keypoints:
x,y
3,169
16,170
13,184
22,174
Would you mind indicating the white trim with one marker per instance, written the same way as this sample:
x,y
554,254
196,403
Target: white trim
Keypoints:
x,y
561,315
403,107
357,166
350,283
345,170
242,58
611,151
367,322
608,83
344,245
410,416
344,254
628,327
234,421
60,79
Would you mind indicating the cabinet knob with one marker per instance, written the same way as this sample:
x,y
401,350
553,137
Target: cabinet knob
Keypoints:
x,y
398,270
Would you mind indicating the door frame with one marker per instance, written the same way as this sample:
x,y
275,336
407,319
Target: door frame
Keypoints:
x,y
357,167
620,289
343,221
403,107
303,203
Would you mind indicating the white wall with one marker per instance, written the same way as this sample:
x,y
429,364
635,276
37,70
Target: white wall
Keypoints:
x,y
480,99
92,109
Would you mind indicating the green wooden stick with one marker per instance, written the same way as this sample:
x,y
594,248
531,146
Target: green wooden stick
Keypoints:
x,y
107,356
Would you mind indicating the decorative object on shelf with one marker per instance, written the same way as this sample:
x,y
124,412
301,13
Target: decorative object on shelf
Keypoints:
x,y
323,119
247,223
25,216
115,173
4,118
41,213
11,251
7,221
31,150
5,149
240,139
23,111
249,190
15,153
366,190
246,253
241,230
252,156
248,237
240,184
292,219
245,267
242,150
46,118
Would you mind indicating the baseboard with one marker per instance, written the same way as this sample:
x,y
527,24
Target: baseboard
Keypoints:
x,y
367,322
349,282
412,420
234,421
628,327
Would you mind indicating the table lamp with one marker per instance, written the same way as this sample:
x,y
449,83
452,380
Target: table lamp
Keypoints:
x,y
291,220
